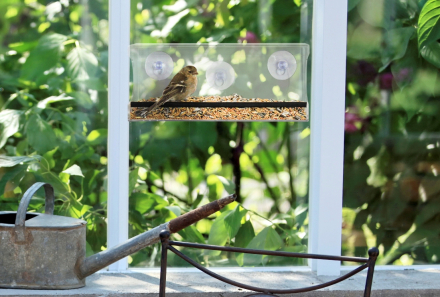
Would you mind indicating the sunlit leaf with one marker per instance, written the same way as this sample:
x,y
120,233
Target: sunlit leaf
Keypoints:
x,y
45,56
132,179
74,170
8,161
52,99
97,136
228,184
429,23
174,209
431,53
81,64
9,124
79,211
191,234
143,203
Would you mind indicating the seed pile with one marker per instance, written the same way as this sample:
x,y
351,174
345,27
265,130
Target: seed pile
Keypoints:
x,y
222,113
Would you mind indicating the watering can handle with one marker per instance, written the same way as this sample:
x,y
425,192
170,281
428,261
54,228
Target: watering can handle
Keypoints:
x,y
24,203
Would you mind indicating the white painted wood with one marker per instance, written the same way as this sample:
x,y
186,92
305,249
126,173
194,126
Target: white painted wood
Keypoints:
x,y
327,132
118,129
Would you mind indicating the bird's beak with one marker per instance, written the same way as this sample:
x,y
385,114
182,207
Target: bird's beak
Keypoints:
x,y
196,73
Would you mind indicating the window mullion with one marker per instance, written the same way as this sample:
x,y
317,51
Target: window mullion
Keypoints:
x,y
327,131
118,128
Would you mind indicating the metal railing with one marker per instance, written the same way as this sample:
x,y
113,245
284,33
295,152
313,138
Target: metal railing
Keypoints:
x,y
167,244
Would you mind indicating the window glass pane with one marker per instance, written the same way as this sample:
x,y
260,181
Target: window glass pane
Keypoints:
x,y
176,166
391,180
53,99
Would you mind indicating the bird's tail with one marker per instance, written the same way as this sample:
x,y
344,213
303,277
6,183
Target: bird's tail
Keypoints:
x,y
152,107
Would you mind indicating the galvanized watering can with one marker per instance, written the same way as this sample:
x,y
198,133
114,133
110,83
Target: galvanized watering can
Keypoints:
x,y
45,251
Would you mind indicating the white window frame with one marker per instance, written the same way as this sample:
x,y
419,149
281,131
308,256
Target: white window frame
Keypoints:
x,y
327,130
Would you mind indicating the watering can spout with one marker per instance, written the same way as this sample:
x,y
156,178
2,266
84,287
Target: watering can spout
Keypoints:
x,y
100,260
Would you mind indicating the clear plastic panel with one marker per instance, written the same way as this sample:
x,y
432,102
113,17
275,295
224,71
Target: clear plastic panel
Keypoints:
x,y
245,82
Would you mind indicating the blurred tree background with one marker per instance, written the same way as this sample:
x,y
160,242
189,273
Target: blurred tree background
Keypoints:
x,y
53,100
392,141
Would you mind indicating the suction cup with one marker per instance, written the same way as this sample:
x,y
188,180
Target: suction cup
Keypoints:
x,y
159,65
220,75
281,65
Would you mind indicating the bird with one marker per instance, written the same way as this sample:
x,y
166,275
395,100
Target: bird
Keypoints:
x,y
183,84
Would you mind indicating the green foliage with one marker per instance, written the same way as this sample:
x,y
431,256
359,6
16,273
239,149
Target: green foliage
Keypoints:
x,y
429,23
429,32
53,121
391,153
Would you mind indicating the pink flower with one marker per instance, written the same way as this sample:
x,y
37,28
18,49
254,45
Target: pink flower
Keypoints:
x,y
386,81
251,37
351,119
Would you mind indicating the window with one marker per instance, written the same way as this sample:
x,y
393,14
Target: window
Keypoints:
x,y
53,98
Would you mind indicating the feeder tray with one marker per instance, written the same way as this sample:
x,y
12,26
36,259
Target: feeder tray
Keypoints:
x,y
226,108
236,82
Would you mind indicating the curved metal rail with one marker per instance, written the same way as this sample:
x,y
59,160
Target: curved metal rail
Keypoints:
x,y
168,245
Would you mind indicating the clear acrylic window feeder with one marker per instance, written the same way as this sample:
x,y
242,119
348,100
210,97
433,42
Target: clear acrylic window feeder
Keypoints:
x,y
235,82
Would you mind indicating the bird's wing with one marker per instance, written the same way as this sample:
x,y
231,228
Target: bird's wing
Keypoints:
x,y
174,89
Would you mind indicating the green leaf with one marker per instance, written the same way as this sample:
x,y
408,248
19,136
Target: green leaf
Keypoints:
x,y
11,174
78,211
143,203
82,98
267,239
74,170
233,221
352,4
40,134
132,179
6,161
301,212
396,43
203,134
22,47
97,136
197,200
174,209
244,236
218,234
429,23
228,184
45,56
43,103
191,234
81,64
431,53
9,124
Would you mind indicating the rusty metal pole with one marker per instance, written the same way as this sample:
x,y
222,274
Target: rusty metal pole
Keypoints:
x,y
164,238
372,253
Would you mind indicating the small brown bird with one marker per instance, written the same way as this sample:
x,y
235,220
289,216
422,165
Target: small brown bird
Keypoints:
x,y
183,84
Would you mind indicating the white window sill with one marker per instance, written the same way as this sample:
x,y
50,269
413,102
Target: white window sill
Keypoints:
x,y
182,282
